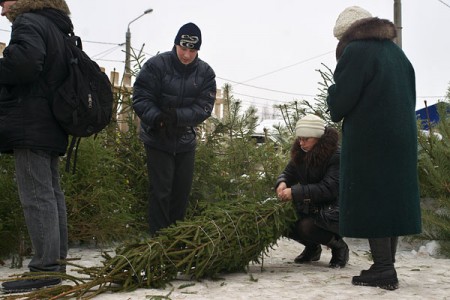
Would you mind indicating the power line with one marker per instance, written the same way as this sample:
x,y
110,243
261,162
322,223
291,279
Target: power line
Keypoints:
x,y
277,70
111,50
313,96
286,67
139,50
84,41
111,60
104,43
106,52
266,89
444,3
430,96
262,98
117,45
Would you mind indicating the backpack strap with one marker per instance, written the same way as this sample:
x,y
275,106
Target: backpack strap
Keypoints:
x,y
74,143
76,39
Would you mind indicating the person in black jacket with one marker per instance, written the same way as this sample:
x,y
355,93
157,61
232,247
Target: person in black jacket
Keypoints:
x,y
173,93
311,182
32,60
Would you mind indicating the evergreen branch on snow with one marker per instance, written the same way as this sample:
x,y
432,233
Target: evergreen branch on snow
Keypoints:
x,y
225,237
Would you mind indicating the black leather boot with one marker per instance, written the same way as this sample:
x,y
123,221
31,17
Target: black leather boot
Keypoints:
x,y
310,253
394,243
385,278
382,273
339,253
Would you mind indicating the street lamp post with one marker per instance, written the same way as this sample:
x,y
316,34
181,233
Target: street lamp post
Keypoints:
x,y
128,42
398,21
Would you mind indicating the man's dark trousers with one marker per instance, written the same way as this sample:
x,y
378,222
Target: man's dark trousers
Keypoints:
x,y
170,176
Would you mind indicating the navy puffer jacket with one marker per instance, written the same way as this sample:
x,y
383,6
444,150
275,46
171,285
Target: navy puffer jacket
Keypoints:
x,y
32,57
164,83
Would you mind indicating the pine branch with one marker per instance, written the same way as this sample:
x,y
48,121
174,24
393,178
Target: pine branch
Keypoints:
x,y
225,237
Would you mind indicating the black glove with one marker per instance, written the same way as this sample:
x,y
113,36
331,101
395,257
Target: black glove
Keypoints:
x,y
165,123
161,121
171,115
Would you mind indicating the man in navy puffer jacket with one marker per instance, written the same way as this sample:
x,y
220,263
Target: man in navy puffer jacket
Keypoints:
x,y
173,93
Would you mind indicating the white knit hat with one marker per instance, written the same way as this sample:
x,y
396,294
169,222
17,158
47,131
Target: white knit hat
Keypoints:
x,y
310,126
347,18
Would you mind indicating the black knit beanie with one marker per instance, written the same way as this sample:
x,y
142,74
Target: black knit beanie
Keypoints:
x,y
189,36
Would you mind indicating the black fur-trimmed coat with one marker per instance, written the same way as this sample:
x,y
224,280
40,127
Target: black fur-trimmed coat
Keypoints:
x,y
314,175
33,56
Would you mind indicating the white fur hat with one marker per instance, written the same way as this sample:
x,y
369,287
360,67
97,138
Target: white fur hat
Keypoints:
x,y
347,18
310,126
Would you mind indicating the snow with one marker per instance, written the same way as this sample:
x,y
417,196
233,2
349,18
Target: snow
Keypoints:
x,y
268,125
421,276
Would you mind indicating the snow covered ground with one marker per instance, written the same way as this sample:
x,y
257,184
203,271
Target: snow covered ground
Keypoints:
x,y
421,276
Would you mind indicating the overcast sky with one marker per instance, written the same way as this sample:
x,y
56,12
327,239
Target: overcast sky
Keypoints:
x,y
268,50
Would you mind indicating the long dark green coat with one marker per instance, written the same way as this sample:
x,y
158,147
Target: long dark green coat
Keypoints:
x,y
374,94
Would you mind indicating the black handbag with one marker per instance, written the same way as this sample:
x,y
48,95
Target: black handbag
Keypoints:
x,y
329,214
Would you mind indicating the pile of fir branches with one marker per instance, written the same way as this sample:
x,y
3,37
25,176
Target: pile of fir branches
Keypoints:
x,y
222,237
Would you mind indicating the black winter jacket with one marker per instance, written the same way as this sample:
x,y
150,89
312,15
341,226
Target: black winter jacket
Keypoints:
x,y
32,58
314,175
164,83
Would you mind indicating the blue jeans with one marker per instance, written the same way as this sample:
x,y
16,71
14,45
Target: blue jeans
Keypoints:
x,y
44,207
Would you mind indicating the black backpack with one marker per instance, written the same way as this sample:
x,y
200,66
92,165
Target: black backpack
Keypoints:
x,y
83,103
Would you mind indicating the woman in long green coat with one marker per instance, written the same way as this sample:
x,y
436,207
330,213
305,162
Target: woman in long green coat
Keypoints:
x,y
374,95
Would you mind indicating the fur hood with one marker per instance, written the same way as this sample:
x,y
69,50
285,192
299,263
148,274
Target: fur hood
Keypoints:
x,y
365,29
24,6
325,148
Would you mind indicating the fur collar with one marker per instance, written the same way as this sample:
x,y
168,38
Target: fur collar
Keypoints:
x,y
326,146
24,6
365,29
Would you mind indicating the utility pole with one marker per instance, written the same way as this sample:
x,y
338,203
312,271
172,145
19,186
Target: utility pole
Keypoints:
x,y
127,50
128,42
398,21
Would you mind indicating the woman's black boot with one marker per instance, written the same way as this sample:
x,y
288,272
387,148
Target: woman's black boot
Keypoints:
x,y
382,273
310,253
385,278
339,253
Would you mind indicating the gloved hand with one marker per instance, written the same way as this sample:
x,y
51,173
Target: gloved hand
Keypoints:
x,y
165,123
161,121
171,115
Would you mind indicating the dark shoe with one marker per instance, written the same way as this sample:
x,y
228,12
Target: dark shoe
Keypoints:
x,y
309,254
26,285
385,279
339,253
62,268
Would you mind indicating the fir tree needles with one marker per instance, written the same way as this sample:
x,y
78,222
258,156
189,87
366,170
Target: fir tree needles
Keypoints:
x,y
222,237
